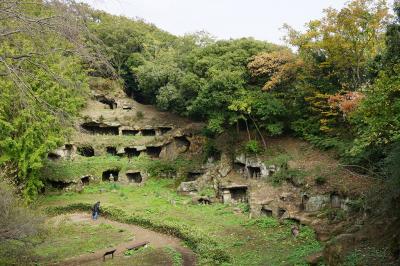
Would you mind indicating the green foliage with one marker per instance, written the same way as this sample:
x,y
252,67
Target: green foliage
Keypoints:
x,y
210,149
39,101
244,207
209,192
294,176
377,118
159,169
281,160
264,222
176,256
368,256
253,147
320,179
20,226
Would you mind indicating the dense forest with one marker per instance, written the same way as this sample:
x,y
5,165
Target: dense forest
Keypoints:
x,y
335,85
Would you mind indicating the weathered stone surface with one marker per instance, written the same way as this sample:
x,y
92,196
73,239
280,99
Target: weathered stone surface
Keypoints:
x,y
226,196
225,165
251,163
120,151
315,259
177,146
188,186
241,158
316,203
335,201
286,196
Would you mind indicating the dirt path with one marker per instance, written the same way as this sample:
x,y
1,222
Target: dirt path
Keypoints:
x,y
157,240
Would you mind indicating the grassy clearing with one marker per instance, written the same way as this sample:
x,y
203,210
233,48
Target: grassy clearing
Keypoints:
x,y
247,242
69,239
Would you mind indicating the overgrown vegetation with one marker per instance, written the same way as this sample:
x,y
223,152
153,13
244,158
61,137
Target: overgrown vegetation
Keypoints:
x,y
330,95
18,228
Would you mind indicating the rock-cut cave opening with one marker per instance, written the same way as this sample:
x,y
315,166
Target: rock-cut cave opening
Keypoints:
x,y
129,132
111,103
239,194
266,211
134,177
86,151
254,172
110,175
96,128
131,152
193,176
111,150
153,152
148,132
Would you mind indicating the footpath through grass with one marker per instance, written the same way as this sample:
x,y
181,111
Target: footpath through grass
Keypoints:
x,y
66,239
246,241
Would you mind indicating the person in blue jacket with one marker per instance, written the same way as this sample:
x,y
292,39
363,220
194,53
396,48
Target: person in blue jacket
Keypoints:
x,y
96,210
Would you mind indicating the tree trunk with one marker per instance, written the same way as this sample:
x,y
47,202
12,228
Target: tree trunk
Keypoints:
x,y
259,132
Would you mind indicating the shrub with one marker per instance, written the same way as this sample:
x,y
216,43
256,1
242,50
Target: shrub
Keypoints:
x,y
209,192
160,169
253,147
320,179
280,160
211,150
294,176
16,221
19,225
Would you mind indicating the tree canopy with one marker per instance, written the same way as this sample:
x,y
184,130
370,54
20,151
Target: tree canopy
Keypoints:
x,y
339,87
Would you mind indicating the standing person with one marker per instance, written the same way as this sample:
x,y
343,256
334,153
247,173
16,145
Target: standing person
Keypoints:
x,y
96,210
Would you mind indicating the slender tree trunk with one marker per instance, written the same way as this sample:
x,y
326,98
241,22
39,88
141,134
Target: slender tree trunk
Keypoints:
x,y
259,132
247,128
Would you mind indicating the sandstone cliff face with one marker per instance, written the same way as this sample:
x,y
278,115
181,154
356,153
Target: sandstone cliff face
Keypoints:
x,y
116,126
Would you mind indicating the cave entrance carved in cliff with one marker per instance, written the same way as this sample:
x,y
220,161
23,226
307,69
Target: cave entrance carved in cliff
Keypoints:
x,y
97,128
254,172
129,132
239,194
131,152
148,132
86,151
111,150
134,177
110,175
265,211
153,152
